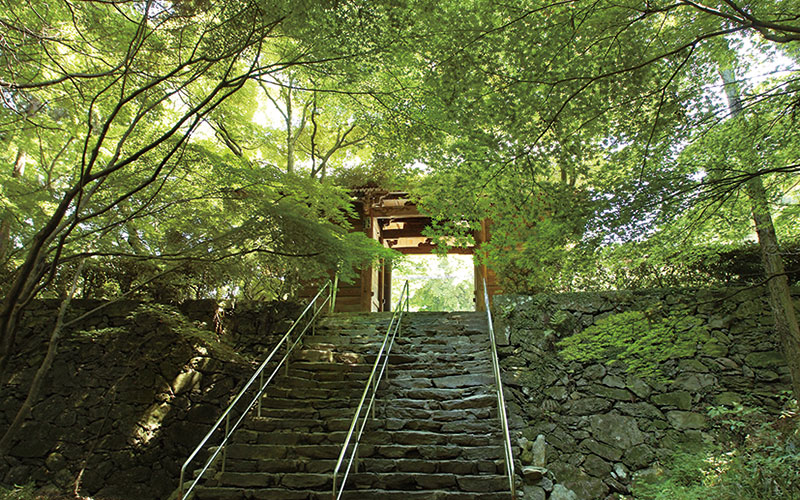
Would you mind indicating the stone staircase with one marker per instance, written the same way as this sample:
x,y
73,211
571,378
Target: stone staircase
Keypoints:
x,y
435,435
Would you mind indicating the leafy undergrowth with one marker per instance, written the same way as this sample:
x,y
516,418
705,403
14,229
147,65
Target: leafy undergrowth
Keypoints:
x,y
29,492
756,457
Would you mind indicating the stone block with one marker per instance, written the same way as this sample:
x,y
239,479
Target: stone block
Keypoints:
x,y
677,399
588,406
561,492
686,420
616,430
767,359
639,457
608,452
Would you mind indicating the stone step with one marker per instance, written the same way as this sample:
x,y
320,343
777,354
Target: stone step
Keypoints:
x,y
257,452
397,414
478,400
455,424
388,392
364,481
376,465
221,493
424,366
344,340
461,434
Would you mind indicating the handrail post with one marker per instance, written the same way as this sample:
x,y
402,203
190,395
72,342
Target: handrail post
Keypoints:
x,y
333,292
225,445
260,389
379,369
501,407
255,401
288,350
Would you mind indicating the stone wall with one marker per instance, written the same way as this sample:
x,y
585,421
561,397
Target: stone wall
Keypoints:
x,y
592,427
131,392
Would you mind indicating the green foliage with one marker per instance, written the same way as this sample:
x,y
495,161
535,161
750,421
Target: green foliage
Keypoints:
x,y
436,283
167,319
640,340
758,457
24,492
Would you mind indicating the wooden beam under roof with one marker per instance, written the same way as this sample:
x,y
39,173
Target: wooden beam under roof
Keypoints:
x,y
400,211
425,249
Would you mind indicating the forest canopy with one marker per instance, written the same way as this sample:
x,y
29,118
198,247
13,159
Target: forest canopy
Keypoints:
x,y
182,149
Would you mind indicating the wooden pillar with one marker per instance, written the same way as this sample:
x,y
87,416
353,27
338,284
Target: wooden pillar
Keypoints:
x,y
387,285
481,236
369,274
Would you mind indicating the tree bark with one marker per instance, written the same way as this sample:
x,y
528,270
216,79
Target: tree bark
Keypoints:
x,y
36,386
780,297
5,223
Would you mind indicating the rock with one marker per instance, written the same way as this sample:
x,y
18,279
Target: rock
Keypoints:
x,y
638,386
611,393
647,476
539,451
596,466
694,382
768,359
617,486
616,430
584,486
558,392
185,381
728,364
588,406
620,472
767,375
686,420
639,456
560,492
595,371
603,450
534,493
640,410
678,399
714,349
456,381
728,398
55,462
692,365
613,381
533,474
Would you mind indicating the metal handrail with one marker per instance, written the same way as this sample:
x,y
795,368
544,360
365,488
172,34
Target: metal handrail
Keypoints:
x,y
501,401
373,382
262,385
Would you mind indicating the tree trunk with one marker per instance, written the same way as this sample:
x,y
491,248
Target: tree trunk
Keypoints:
x,y
289,133
780,297
5,223
36,386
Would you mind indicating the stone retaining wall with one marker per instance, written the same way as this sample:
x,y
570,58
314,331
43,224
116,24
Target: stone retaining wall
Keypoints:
x,y
599,425
131,392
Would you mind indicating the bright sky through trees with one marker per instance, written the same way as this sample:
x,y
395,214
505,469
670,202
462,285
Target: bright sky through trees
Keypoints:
x,y
435,283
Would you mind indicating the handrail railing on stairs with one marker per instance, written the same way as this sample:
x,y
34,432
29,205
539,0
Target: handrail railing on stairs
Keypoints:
x,y
224,421
501,401
372,384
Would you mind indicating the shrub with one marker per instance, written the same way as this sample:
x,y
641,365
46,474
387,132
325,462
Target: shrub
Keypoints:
x,y
757,458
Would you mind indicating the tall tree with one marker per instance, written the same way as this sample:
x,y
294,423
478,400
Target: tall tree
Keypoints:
x,y
111,102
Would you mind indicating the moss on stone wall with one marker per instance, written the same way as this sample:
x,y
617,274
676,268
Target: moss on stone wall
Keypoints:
x,y
637,376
